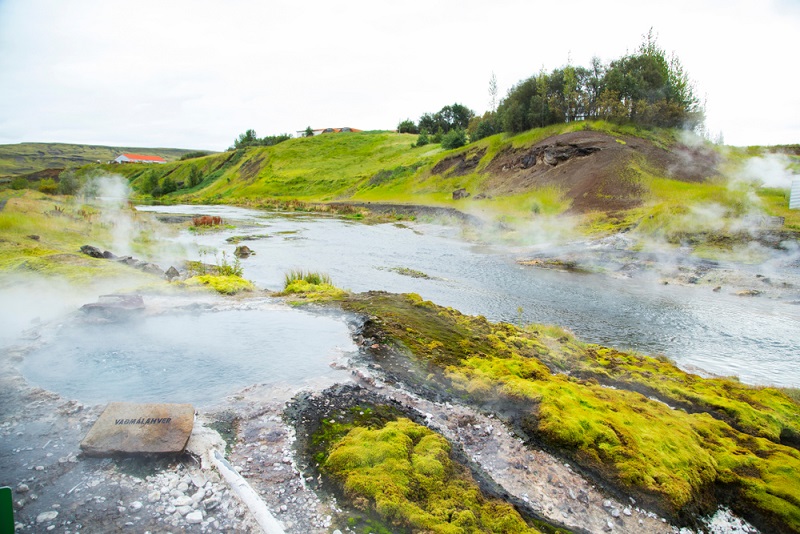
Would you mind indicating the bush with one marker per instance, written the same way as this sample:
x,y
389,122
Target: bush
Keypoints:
x,y
19,183
423,139
485,129
407,126
454,138
48,186
68,183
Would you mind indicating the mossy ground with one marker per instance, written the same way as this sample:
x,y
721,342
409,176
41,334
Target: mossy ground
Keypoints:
x,y
681,461
404,471
42,235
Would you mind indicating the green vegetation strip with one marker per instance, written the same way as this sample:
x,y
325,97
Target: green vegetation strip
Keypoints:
x,y
681,463
404,471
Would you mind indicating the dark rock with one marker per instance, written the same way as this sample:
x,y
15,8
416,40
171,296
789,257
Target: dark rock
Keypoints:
x,y
243,251
150,268
172,273
458,194
109,255
94,252
34,237
115,306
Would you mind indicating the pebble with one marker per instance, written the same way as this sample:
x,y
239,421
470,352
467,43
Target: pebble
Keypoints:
x,y
183,500
46,516
22,488
154,496
194,517
183,487
135,506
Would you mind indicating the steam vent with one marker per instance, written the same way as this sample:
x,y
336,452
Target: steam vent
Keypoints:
x,y
129,428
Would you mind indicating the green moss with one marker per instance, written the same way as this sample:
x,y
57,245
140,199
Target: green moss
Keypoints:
x,y
227,285
404,472
676,460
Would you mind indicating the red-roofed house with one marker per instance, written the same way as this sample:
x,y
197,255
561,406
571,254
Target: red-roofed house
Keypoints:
x,y
139,158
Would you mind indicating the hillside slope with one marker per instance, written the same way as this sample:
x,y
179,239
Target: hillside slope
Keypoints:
x,y
26,158
613,177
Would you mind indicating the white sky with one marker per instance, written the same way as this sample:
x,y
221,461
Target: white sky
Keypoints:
x,y
196,73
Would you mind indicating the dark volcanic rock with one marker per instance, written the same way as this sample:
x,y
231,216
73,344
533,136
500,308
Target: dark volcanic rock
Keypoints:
x,y
243,251
94,252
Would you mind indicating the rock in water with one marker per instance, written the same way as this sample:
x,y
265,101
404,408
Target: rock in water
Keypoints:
x,y
243,251
130,428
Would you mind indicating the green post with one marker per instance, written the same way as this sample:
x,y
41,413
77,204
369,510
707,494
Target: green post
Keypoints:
x,y
6,511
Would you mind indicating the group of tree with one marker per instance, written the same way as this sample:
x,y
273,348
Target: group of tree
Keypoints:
x,y
249,138
647,88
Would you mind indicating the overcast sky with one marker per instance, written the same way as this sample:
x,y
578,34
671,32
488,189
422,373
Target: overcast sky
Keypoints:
x,y
196,73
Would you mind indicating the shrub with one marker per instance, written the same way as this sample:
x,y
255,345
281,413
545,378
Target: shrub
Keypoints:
x,y
454,138
67,183
423,139
48,186
485,129
207,220
407,126
19,183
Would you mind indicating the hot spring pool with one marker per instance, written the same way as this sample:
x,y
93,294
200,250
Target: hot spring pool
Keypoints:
x,y
195,357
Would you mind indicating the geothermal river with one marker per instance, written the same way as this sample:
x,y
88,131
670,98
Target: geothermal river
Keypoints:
x,y
757,340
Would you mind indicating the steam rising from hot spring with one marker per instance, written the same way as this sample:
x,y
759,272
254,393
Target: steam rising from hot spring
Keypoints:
x,y
110,194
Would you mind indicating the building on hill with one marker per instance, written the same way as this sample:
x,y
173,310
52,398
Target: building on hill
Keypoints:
x,y
302,133
138,158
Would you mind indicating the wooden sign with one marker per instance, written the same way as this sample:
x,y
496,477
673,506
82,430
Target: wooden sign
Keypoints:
x,y
129,428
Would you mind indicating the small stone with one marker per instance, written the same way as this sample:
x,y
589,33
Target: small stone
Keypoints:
x,y
135,506
194,517
46,516
627,511
154,496
184,510
183,487
23,488
606,504
183,500
615,512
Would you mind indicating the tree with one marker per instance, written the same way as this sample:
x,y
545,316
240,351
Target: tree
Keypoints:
x,y
248,138
195,176
407,126
493,93
423,139
168,186
309,132
485,129
150,183
455,138
67,183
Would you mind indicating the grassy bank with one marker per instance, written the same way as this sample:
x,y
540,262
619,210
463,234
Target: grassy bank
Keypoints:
x,y
680,461
646,181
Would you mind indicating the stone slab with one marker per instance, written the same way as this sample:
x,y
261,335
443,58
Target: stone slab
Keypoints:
x,y
130,428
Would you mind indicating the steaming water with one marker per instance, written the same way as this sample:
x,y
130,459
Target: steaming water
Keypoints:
x,y
755,339
187,357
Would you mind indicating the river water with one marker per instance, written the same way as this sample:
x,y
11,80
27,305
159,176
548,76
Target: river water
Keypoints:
x,y
757,340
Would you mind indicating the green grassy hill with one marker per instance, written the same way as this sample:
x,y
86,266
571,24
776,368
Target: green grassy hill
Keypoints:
x,y
26,158
610,177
